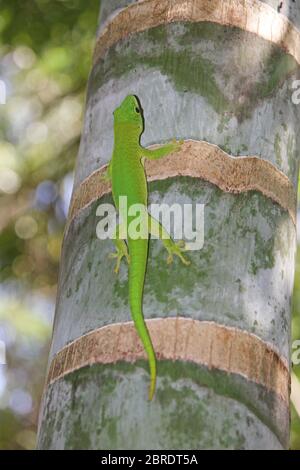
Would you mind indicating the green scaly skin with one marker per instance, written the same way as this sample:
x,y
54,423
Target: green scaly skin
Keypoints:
x,y
126,171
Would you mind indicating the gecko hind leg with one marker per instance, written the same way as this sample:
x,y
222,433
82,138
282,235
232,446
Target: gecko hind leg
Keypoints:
x,y
121,249
177,249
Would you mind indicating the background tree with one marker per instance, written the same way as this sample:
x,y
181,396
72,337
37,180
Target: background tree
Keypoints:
x,y
219,72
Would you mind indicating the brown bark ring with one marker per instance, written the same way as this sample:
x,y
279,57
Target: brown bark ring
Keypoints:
x,y
208,162
179,339
252,16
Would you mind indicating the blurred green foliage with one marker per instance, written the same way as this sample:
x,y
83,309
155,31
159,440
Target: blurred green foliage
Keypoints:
x,y
45,58
45,50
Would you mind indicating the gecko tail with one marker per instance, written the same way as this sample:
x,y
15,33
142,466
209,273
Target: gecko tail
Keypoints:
x,y
152,366
144,335
138,260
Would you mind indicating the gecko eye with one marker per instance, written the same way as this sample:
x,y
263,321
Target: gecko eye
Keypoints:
x,y
137,110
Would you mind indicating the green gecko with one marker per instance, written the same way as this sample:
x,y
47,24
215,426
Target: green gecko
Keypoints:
x,y
127,175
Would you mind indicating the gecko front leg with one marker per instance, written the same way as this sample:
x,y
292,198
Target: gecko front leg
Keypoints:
x,y
162,151
177,249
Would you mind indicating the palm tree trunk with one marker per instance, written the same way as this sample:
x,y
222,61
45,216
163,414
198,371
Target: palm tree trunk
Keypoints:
x,y
218,74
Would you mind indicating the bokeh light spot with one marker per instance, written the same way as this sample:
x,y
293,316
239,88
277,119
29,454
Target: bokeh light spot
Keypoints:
x,y
37,132
26,227
46,193
24,57
10,181
20,401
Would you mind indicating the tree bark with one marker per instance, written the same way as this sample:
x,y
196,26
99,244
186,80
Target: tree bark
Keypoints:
x,y
219,75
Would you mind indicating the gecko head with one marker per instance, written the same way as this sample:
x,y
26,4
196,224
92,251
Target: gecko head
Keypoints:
x,y
130,111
